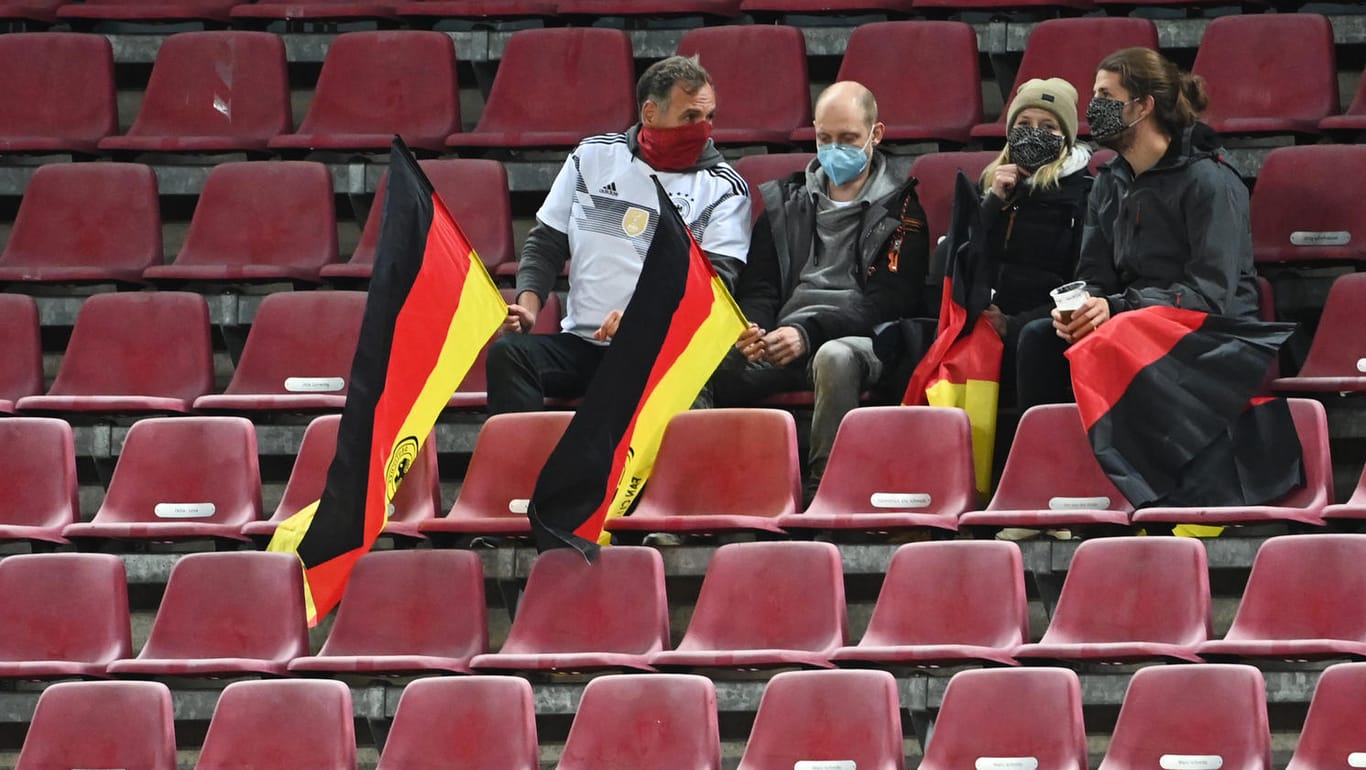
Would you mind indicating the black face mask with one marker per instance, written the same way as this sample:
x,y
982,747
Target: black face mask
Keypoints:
x,y
1106,117
1033,148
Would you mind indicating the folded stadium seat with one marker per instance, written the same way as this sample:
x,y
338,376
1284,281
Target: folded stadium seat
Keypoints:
x,y
765,605
620,614
1354,508
472,393
1130,599
1268,74
1303,505
21,350
1032,714
760,76
328,11
1051,478
281,725
85,222
937,94
297,356
212,92
1354,119
406,612
758,169
1069,49
693,490
58,94
1336,723
224,614
1206,716
1336,362
469,722
940,6
936,172
667,720
144,351
179,478
867,488
475,191
1296,220
540,66
38,488
89,12
594,8
293,232
829,719
1302,601
506,461
66,615
101,724
946,603
760,7
36,11
435,10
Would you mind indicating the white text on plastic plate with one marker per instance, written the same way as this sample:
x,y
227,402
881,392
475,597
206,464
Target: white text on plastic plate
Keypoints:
x,y
314,384
899,500
518,505
826,764
1316,238
1006,763
1078,503
183,510
1190,762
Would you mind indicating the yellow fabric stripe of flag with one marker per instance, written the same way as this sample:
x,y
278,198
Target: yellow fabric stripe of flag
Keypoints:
x,y
979,399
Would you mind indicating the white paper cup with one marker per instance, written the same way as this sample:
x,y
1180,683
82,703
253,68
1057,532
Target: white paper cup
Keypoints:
x,y
1068,298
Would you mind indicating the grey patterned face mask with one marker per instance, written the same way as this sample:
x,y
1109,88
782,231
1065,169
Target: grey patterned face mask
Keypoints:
x,y
1106,117
1032,148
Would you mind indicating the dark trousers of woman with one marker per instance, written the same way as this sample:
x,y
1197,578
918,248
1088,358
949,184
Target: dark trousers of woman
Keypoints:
x,y
1042,373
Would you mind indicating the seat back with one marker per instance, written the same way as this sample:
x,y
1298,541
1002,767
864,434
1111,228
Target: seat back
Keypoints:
x,y
936,172
759,72
21,347
1305,587
507,459
1311,426
1280,67
64,606
1072,49
1296,218
58,86
644,720
1033,713
470,722
1335,727
939,87
1338,349
300,334
101,724
758,169
827,715
1051,466
38,483
281,725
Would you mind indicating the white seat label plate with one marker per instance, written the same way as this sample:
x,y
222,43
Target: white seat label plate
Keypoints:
x,y
1320,238
826,764
184,510
899,500
518,505
1007,763
1078,503
1356,759
1190,762
315,384
1361,365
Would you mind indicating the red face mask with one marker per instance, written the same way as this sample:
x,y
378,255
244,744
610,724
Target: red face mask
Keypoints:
x,y
674,149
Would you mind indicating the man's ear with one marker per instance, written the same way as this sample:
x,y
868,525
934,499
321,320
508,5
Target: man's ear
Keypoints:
x,y
649,112
878,130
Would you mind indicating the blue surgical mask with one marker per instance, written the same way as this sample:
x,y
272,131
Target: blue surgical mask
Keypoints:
x,y
843,162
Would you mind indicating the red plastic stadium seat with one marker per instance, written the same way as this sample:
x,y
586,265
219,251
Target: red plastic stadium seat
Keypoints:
x,y
936,172
1032,713
58,94
101,724
314,10
765,605
1354,508
645,720
281,726
1130,599
540,66
720,8
620,614
472,392
827,715
377,84
993,5
478,9
85,222
1354,119
38,491
406,612
231,613
297,355
1051,478
470,722
1268,74
1070,49
180,478
1192,716
21,350
133,352
763,69
1302,601
1336,362
212,92
1304,505
40,11
1336,723
66,615
92,11
758,169
1295,219
695,489
900,7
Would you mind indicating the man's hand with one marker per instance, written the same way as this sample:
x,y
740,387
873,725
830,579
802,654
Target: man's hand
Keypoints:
x,y
751,343
783,345
519,320
1085,319
1005,179
608,330
997,319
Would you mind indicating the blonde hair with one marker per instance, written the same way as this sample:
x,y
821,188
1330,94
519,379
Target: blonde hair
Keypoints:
x,y
1047,177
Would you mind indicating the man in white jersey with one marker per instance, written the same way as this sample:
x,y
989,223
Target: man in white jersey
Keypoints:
x,y
599,217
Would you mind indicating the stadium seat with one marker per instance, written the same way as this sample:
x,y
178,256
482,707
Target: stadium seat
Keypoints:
x,y
471,723
725,9
1302,601
758,169
90,12
66,615
645,720
946,603
297,356
226,614
217,91
85,222
38,487
377,84
482,10
1192,716
1354,508
179,478
868,488
1303,505
101,724
1296,219
761,7
1031,713
1268,74
763,69
936,90
281,725
133,352
1335,728
694,490
824,718
43,12
936,172
406,612
472,393
1336,362
1127,600
540,66
1051,478
58,94
1069,49
325,11
21,350
765,605
293,232
1354,119
1266,300
941,6
577,616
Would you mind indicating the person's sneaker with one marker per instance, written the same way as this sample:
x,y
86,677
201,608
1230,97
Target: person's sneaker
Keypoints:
x,y
656,539
1059,534
1016,534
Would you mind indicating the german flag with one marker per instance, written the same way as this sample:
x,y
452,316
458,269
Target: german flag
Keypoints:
x,y
430,309
673,333
962,368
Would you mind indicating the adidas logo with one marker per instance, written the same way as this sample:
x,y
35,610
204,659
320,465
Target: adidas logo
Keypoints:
x,y
608,189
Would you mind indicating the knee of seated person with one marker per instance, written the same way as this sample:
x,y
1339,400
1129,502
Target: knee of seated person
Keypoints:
x,y
833,359
505,350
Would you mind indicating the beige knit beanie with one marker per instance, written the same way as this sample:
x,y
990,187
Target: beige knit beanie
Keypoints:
x,y
1055,95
